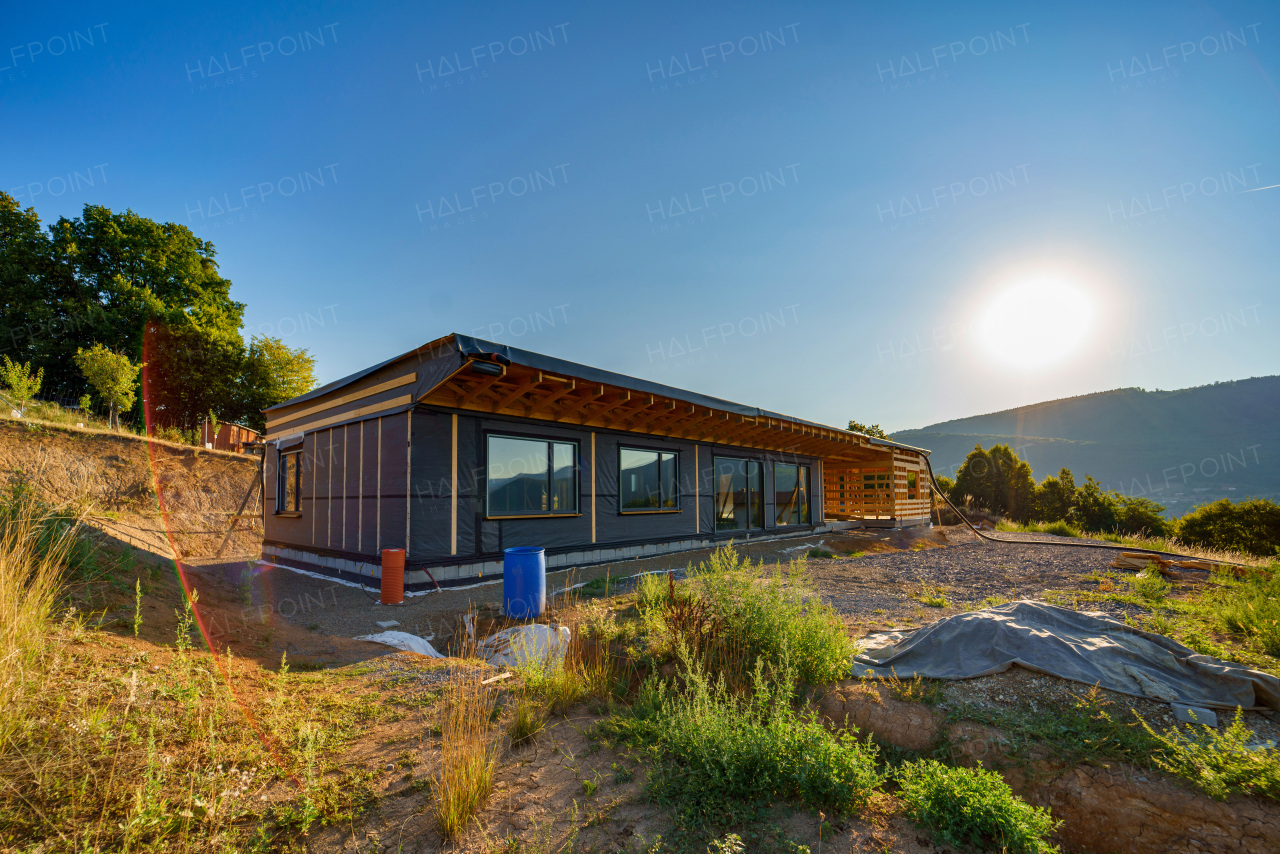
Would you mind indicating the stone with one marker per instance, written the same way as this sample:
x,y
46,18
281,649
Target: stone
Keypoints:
x,y
1194,715
388,624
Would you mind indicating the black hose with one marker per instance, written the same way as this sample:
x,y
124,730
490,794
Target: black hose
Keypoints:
x,y
1137,549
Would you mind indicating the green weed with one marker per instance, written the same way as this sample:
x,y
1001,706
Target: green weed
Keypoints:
x,y
719,754
1219,763
973,806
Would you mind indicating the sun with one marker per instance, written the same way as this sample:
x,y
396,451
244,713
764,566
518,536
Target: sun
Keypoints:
x,y
1036,323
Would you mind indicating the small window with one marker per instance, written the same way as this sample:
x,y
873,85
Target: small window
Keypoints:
x,y
531,477
911,484
648,480
289,483
791,494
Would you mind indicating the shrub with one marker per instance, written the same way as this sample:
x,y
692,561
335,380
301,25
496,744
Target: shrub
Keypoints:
x,y
719,752
1060,528
1148,585
1251,526
1219,763
1136,515
972,806
1250,607
773,618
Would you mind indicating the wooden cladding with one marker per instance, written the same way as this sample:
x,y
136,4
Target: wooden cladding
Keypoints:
x,y
526,393
893,488
276,425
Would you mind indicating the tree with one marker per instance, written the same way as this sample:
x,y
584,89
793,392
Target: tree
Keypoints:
x,y
1141,516
273,373
998,481
872,430
1055,497
112,376
22,382
146,290
187,374
1096,508
100,278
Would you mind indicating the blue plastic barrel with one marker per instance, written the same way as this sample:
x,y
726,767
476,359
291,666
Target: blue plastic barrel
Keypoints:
x,y
524,582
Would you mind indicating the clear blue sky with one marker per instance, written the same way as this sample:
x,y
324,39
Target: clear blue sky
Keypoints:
x,y
804,207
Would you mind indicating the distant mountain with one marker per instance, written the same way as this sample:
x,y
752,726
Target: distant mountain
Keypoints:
x,y
1180,448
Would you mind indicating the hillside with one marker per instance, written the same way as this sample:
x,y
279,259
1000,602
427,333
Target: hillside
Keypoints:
x,y
1181,448
113,477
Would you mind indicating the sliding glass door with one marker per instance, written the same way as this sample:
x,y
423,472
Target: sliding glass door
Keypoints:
x,y
791,494
739,494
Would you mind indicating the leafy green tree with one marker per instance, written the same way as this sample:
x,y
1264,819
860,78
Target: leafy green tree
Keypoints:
x,y
86,403
113,376
946,484
189,373
872,430
273,373
1055,497
1251,526
1136,515
998,481
22,382
1096,508
147,290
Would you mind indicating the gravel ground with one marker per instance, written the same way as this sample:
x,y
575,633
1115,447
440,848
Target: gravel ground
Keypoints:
x,y
878,590
327,607
881,590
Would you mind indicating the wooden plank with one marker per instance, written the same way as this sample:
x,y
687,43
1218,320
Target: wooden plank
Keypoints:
x,y
346,398
520,390
351,414
453,491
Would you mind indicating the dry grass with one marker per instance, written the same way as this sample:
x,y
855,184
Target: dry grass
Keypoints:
x,y
111,744
32,557
469,752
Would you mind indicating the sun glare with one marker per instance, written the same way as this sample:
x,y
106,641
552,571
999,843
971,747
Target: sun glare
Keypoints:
x,y
1036,323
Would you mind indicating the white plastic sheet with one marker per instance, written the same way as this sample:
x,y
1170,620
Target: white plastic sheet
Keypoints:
x,y
405,641
520,644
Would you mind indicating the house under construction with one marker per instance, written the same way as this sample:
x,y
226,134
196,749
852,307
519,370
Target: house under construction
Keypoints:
x,y
461,448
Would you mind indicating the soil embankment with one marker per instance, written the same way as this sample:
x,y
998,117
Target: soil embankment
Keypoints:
x,y
1103,806
122,482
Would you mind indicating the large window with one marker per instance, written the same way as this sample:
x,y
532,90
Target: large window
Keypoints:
x,y
648,480
289,483
739,494
531,477
791,494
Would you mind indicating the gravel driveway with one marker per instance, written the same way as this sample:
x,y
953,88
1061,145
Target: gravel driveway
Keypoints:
x,y
883,590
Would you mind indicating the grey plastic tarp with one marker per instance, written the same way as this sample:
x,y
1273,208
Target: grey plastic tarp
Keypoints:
x,y
1084,647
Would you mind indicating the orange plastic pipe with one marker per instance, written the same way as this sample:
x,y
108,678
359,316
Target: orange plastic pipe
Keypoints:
x,y
392,585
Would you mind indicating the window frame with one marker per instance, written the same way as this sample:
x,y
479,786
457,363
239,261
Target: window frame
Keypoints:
x,y
715,493
281,491
640,511
550,442
804,478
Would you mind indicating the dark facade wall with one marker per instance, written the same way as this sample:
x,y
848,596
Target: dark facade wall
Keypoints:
x,y
431,504
354,480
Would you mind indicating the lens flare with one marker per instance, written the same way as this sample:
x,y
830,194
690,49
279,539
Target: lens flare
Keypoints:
x,y
1036,323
